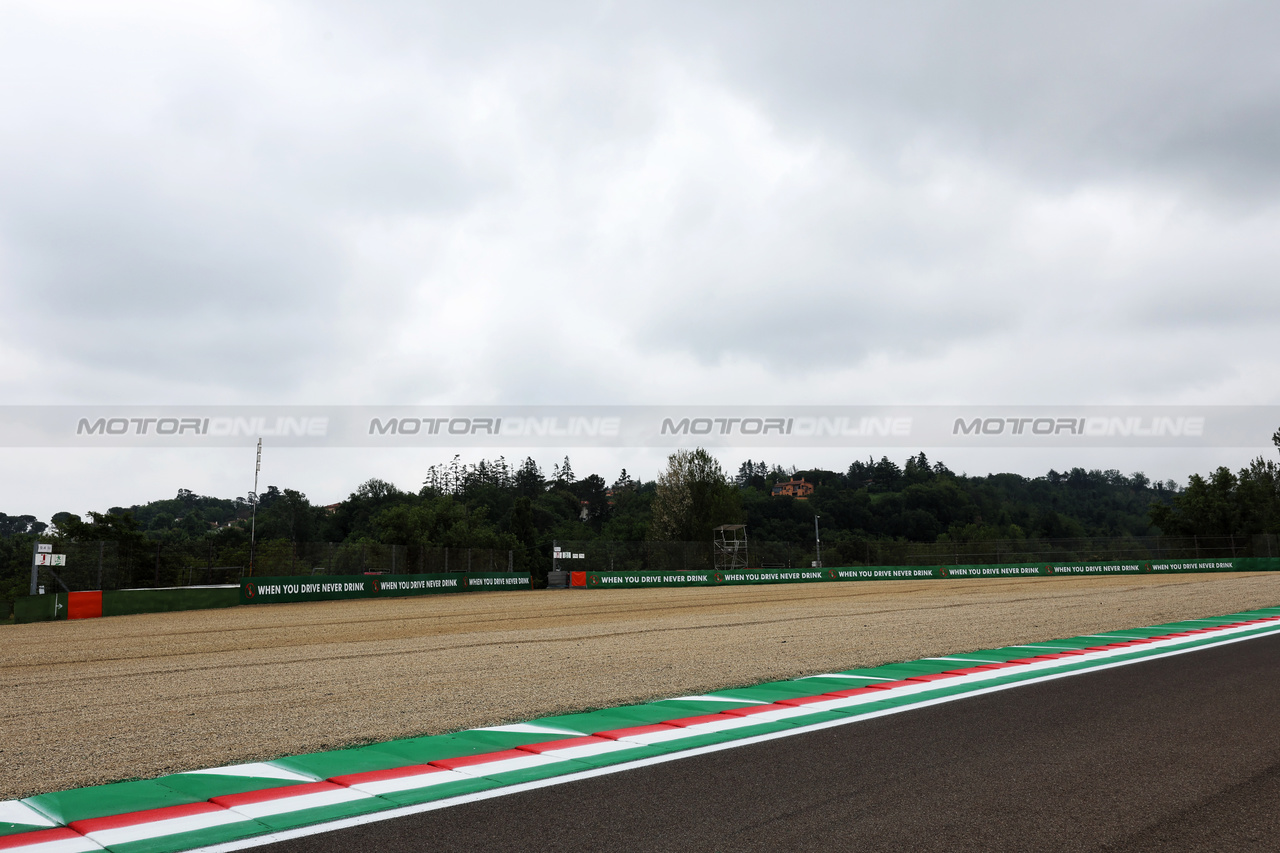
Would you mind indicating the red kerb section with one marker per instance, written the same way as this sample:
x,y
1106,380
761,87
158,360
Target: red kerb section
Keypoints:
x,y
685,722
752,710
834,694
482,758
567,743
97,824
618,734
268,794
40,836
937,676
382,775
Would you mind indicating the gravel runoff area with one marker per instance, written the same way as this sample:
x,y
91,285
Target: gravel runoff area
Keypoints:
x,y
101,700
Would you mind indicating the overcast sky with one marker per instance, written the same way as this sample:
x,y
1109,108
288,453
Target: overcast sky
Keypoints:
x,y
628,203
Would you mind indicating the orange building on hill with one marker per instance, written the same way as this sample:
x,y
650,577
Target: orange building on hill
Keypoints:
x,y
793,488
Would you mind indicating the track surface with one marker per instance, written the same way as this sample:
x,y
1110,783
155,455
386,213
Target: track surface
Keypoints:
x,y
99,700
1180,753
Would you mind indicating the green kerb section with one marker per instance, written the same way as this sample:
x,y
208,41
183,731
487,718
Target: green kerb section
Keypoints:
x,y
322,814
197,838
184,788
401,753
206,786
17,828
106,800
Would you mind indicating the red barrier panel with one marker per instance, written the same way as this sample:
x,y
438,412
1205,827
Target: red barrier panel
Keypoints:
x,y
577,578
84,605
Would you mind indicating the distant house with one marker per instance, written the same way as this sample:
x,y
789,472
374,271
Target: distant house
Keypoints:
x,y
331,508
793,488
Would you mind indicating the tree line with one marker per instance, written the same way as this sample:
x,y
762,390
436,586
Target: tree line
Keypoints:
x,y
522,508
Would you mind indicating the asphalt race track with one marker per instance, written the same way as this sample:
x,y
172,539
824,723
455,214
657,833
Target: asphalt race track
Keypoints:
x,y
1178,753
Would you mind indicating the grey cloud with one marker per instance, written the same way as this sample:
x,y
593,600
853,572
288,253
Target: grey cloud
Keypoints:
x,y
1065,92
262,265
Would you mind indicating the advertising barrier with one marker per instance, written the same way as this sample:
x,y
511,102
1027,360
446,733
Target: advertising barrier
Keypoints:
x,y
122,602
271,590
275,590
641,580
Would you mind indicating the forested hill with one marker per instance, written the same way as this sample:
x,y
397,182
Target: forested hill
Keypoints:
x,y
862,510
492,504
923,502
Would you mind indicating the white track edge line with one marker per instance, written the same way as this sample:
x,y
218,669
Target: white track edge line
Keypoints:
x,y
407,811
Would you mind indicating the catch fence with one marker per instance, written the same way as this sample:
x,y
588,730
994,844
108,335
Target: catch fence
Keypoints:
x,y
606,556
112,565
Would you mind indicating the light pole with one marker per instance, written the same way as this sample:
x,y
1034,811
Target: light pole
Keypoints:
x,y
253,518
817,541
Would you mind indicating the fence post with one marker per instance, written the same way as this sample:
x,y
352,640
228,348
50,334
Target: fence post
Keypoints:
x,y
511,561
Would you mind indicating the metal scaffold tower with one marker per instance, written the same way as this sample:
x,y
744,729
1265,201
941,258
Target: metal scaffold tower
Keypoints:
x,y
730,546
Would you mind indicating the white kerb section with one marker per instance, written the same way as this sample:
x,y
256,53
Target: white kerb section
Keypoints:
x,y
410,783
161,828
283,805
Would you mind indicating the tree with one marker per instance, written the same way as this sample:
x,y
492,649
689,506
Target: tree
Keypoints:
x,y
693,496
563,474
528,480
15,524
1225,503
591,490
102,526
886,475
352,519
751,474
288,515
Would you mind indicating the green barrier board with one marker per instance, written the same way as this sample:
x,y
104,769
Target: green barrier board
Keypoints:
x,y
275,590
39,608
123,602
